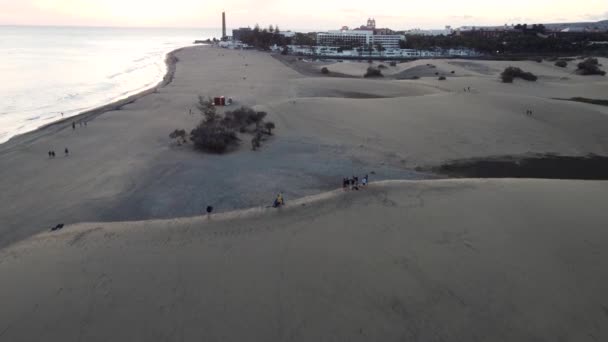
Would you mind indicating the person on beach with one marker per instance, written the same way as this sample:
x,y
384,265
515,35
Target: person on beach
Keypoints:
x,y
364,180
67,152
345,184
50,154
279,202
73,125
355,182
469,89
209,210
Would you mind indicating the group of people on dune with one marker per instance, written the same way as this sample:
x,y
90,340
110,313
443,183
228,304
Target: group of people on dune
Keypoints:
x,y
353,182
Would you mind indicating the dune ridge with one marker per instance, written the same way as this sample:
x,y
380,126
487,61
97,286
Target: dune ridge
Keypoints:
x,y
430,260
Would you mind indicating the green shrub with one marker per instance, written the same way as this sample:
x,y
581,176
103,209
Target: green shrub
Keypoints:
x,y
381,66
213,138
217,134
324,71
373,72
561,63
510,73
442,78
590,66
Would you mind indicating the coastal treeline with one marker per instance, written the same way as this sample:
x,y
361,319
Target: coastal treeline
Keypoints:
x,y
267,37
530,41
218,133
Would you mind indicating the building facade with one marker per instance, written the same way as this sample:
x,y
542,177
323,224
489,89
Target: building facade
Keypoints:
x,y
358,38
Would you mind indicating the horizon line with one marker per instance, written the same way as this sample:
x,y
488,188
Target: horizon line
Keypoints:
x,y
291,29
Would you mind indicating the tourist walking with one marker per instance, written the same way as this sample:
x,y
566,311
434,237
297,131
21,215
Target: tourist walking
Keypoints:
x,y
345,184
209,211
279,201
365,180
67,152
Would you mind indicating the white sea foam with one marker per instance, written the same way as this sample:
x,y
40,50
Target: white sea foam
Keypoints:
x,y
52,70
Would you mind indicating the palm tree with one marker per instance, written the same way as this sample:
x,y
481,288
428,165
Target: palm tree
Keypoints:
x,y
269,126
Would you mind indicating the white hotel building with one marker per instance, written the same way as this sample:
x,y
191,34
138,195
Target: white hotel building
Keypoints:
x,y
358,38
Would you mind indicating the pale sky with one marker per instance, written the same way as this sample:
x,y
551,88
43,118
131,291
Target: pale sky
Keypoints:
x,y
309,14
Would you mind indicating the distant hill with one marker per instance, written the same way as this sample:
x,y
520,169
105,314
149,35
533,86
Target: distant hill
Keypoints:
x,y
575,26
599,25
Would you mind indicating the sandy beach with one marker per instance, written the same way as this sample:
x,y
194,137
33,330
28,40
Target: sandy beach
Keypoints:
x,y
415,258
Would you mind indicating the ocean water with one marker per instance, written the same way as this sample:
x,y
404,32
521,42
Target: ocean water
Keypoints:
x,y
47,71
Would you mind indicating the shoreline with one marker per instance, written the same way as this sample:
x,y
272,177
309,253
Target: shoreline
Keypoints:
x,y
171,63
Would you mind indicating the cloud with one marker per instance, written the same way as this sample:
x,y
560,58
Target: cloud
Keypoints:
x,y
462,17
595,16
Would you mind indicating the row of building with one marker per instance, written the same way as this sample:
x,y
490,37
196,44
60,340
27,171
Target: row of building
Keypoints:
x,y
334,52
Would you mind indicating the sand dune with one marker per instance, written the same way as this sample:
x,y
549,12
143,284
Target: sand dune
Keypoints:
x,y
429,129
123,167
510,260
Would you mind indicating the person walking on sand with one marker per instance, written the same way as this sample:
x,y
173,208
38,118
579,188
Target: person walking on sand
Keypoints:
x,y
364,180
209,211
279,201
73,125
345,184
67,152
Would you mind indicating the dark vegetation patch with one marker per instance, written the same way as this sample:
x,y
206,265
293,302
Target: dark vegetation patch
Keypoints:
x,y
510,73
561,63
373,72
324,70
586,100
442,78
591,167
219,134
590,66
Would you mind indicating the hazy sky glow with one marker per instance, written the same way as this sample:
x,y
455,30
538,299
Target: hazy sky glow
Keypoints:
x,y
310,14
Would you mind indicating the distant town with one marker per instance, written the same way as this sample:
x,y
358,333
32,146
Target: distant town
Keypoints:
x,y
370,41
